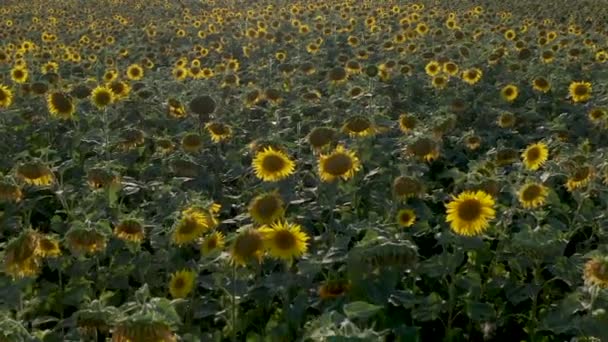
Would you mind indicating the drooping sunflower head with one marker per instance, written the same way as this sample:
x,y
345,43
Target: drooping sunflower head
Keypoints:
x,y
337,75
470,213
213,242
509,92
406,186
219,131
60,105
35,173
532,195
358,126
20,258
320,137
580,91
406,217
341,163
98,177
181,283
407,122
142,331
48,247
83,240
266,208
284,240
130,230
424,148
6,96
333,288
10,192
192,142
247,246
535,155
596,272
272,165
101,97
580,177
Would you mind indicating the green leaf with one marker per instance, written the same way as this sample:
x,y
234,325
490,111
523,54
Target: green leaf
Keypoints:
x,y
361,309
480,311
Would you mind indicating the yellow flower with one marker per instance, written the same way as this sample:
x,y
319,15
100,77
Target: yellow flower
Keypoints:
x,y
532,195
181,283
580,91
598,115
48,247
120,89
358,126
535,156
266,208
212,243
432,68
102,97
580,178
541,84
193,223
596,272
219,131
341,163
406,217
6,96
407,122
247,246
472,76
35,173
509,92
20,259
130,230
470,212
272,165
135,72
285,240
19,74
60,105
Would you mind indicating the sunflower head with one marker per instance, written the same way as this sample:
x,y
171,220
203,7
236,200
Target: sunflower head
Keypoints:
x,y
424,148
406,186
506,120
535,155
580,91
472,76
193,223
470,213
101,97
247,246
580,177
320,137
333,288
358,126
509,92
6,96
120,89
203,105
267,208
130,230
284,240
271,165
82,240
598,115
532,195
135,72
596,272
48,247
213,242
10,192
341,163
98,178
20,258
219,131
60,105
407,122
35,173
142,331
192,142
181,283
541,84
406,217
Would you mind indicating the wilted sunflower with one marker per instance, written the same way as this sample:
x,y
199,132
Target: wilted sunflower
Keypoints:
x,y
424,148
535,155
247,246
35,173
333,288
406,187
407,122
181,283
266,208
406,217
130,230
98,178
83,240
101,97
320,137
580,177
541,84
135,72
358,126
596,272
192,142
10,192
60,105
193,223
20,259
472,76
532,195
219,131
580,91
213,242
48,247
142,331
284,240
509,92
6,96
341,163
271,165
470,212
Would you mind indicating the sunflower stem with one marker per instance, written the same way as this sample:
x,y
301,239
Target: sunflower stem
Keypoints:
x,y
233,318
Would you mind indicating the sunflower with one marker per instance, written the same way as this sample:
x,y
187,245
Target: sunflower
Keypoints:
x,y
247,246
20,259
142,330
135,72
35,173
341,163
472,142
120,89
266,208
192,142
81,240
532,195
450,68
506,120
19,74
284,240
596,272
179,73
598,115
580,177
509,92
193,223
407,122
406,218
439,82
98,178
102,97
271,165
60,105
472,76
333,288
406,187
358,126
213,242
219,131
48,247
6,96
535,155
541,84
470,212
580,91
176,109
432,68
320,137
130,230
424,148
10,192
181,283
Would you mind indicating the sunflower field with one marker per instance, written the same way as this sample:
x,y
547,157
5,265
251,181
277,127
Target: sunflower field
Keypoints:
x,y
290,170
